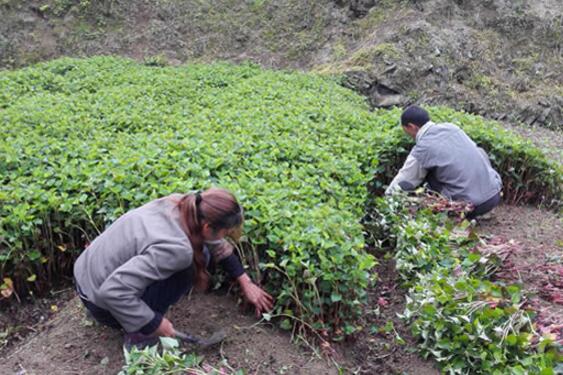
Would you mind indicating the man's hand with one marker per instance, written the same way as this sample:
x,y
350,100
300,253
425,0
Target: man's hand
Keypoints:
x,y
165,329
261,300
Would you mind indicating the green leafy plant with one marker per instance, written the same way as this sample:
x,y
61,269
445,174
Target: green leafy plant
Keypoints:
x,y
169,360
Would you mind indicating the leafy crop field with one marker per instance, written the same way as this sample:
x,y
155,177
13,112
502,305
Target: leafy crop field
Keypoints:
x,y
86,140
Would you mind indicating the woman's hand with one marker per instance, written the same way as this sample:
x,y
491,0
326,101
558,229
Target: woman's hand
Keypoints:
x,y
165,329
261,300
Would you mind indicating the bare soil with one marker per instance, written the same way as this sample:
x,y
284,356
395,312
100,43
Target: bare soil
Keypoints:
x,y
19,320
536,262
70,343
63,340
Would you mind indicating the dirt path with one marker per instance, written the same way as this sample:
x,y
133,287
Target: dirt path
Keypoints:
x,y
385,346
70,344
536,261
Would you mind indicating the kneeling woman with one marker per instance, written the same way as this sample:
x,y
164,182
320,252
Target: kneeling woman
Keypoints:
x,y
147,259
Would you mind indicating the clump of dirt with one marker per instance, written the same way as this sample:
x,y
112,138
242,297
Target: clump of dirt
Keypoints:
x,y
536,262
71,343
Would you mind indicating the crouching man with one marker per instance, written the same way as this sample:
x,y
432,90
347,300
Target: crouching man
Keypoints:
x,y
449,161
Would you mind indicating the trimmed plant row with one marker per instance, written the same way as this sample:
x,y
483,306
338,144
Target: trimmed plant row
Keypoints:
x,y
86,140
464,320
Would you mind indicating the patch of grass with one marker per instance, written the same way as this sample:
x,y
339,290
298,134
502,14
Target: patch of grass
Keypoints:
x,y
479,81
362,59
525,64
414,95
416,39
490,39
306,40
552,33
389,50
339,50
383,11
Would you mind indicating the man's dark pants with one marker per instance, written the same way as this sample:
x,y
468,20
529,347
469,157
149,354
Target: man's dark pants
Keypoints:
x,y
479,210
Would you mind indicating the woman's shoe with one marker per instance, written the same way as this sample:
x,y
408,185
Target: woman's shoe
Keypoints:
x,y
139,340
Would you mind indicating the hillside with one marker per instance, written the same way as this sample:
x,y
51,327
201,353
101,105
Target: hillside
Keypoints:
x,y
498,58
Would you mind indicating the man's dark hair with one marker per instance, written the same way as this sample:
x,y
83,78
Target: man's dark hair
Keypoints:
x,y
414,115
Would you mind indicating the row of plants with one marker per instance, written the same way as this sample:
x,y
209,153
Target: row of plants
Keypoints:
x,y
86,140
462,317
